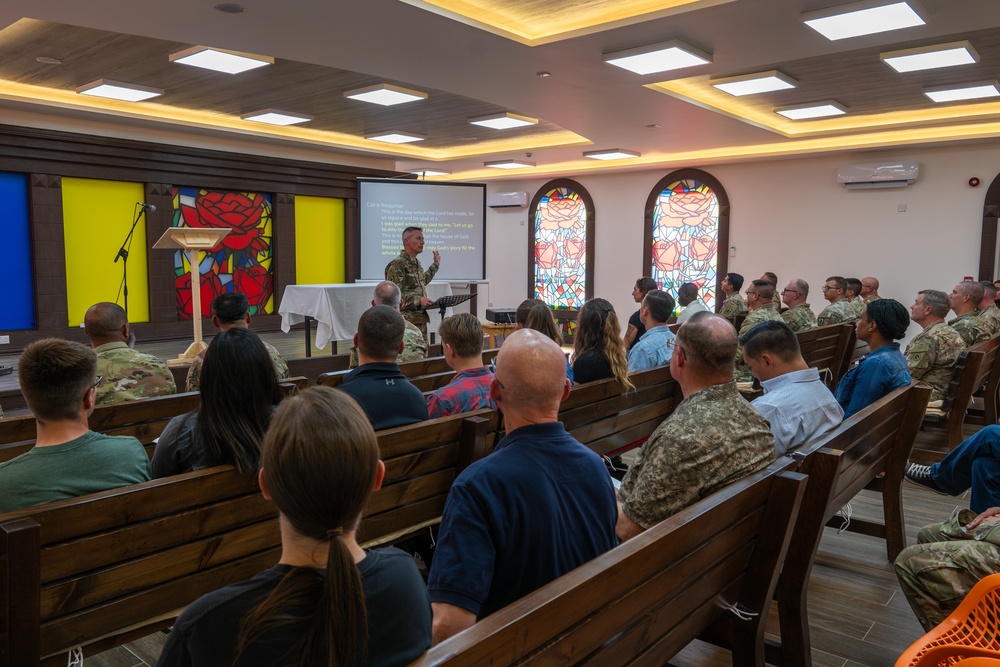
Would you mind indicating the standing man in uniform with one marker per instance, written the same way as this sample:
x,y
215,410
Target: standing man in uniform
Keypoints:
x,y
406,272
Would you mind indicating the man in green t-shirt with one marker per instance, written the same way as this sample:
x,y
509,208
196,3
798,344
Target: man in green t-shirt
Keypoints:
x,y
59,383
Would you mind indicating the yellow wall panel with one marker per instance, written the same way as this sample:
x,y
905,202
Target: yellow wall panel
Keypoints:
x,y
319,240
97,216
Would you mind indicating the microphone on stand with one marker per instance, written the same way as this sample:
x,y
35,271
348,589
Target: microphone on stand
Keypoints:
x,y
146,207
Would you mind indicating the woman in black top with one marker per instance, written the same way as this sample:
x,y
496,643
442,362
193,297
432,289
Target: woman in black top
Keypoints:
x,y
598,348
636,328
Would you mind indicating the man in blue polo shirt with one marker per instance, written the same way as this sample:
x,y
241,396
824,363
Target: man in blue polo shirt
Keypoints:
x,y
539,506
656,345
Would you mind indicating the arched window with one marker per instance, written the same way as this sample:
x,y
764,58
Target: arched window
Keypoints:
x,y
687,233
560,245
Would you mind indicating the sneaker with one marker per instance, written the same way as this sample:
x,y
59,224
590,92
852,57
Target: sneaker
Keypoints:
x,y
921,475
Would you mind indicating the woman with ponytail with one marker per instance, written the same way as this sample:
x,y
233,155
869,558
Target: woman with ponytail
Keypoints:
x,y
328,602
598,349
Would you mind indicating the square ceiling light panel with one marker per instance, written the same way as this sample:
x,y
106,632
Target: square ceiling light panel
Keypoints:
x,y
395,137
810,111
276,117
660,57
116,90
931,57
862,18
753,84
503,121
964,92
219,60
385,94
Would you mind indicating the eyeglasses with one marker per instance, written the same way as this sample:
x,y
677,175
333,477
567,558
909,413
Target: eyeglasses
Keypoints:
x,y
790,291
827,288
100,378
493,368
749,293
671,344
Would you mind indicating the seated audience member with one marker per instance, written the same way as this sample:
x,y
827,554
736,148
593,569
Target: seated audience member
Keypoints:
x,y
799,316
711,439
598,349
128,375
796,403
377,383
414,344
869,289
687,296
462,344
59,382
539,506
771,278
327,601
883,369
932,353
231,310
839,309
988,311
973,464
238,393
762,309
965,299
852,295
734,304
655,346
948,560
536,314
635,327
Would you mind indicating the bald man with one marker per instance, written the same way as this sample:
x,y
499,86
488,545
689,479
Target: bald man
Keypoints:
x,y
711,439
537,507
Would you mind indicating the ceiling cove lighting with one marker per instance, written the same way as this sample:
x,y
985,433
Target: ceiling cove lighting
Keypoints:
x,y
276,117
931,57
660,57
752,84
429,171
611,154
969,91
116,90
218,60
395,137
814,110
862,18
504,121
509,164
385,94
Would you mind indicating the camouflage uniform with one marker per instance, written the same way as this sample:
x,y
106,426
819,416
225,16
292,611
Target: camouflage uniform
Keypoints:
x,y
856,306
414,347
836,313
762,314
130,375
991,317
194,372
776,300
800,317
412,281
872,297
733,305
937,572
931,355
971,328
713,438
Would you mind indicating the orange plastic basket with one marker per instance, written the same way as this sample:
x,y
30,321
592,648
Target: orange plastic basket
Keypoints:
x,y
971,631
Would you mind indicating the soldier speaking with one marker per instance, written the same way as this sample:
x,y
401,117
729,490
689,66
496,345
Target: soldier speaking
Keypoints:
x,y
406,272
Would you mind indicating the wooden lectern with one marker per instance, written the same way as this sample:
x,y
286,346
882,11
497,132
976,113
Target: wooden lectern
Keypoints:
x,y
192,239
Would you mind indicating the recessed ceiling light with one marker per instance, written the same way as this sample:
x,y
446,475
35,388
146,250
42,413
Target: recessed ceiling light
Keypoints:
x,y
658,57
115,90
275,117
931,57
230,8
503,121
543,74
969,91
751,84
653,126
218,60
429,171
385,94
45,60
862,18
509,164
814,110
611,154
395,137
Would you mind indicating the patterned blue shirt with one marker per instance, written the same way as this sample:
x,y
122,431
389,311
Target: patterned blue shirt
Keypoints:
x,y
875,376
470,390
654,349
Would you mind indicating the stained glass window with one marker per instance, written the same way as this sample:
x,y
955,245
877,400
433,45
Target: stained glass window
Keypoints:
x,y
560,245
241,262
686,238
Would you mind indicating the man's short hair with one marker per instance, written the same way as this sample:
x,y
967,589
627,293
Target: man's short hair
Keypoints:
x,y
736,280
464,333
409,230
55,374
104,320
687,292
854,285
989,290
387,294
764,289
380,332
659,304
971,289
801,286
772,336
710,352
838,281
937,300
771,278
230,307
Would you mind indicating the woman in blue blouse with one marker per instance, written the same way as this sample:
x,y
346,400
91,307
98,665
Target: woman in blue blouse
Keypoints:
x,y
884,368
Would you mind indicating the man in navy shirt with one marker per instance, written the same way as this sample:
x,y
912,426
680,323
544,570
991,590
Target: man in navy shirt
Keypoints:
x,y
537,507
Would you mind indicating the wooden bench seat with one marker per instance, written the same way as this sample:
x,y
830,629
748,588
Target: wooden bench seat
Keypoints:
x,y
427,374
829,349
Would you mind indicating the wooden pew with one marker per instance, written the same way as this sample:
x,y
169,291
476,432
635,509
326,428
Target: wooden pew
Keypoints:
x,y
643,601
312,367
829,349
426,374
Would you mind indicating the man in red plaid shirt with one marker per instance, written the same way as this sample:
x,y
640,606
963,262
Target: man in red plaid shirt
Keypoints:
x,y
462,343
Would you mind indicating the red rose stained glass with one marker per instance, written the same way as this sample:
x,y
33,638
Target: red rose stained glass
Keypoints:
x,y
686,238
560,248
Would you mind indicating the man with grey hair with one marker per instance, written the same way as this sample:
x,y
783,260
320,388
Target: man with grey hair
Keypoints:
x,y
799,315
711,439
387,293
933,352
965,299
988,311
406,272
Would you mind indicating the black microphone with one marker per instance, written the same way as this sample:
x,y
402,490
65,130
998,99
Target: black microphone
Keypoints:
x,y
147,207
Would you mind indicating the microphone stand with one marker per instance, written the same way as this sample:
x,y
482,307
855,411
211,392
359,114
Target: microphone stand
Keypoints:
x,y
123,255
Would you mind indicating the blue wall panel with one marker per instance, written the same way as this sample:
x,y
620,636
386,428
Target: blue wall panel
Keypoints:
x,y
17,310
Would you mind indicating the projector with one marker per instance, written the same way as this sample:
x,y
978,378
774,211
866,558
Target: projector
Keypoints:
x,y
500,315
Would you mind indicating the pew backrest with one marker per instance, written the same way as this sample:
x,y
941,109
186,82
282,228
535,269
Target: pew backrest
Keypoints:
x,y
426,374
829,348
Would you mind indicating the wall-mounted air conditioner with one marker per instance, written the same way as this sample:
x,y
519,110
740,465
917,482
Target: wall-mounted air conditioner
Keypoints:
x,y
878,175
507,199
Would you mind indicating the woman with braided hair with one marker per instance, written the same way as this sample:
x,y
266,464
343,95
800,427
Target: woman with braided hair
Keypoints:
x,y
327,602
883,369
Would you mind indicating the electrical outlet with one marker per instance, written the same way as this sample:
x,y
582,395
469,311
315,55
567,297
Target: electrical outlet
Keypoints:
x,y
4,340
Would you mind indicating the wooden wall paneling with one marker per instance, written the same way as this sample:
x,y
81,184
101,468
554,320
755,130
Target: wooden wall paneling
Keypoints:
x,y
352,239
283,244
162,293
48,251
